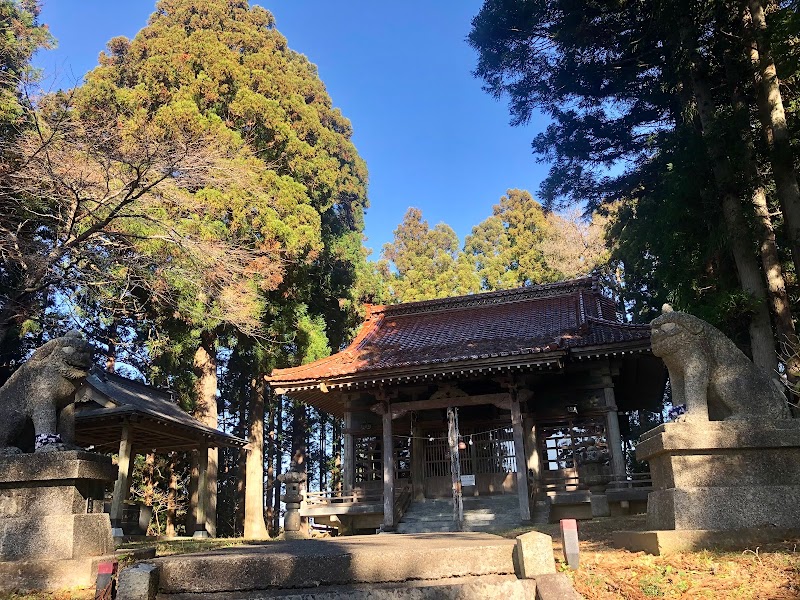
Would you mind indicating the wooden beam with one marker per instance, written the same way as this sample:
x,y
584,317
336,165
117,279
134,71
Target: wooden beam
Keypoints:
x,y
123,483
398,409
519,452
388,473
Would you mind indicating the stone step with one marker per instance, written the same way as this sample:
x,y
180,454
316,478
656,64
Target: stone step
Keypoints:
x,y
337,561
481,513
507,587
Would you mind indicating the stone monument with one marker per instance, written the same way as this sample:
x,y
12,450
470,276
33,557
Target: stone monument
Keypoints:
x,y
52,528
42,392
726,473
294,480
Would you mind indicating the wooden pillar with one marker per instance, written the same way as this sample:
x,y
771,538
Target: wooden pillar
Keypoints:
x,y
613,435
455,467
200,530
531,447
123,483
519,453
417,463
388,471
348,454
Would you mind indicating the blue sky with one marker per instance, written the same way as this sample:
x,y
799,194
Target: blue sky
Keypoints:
x,y
401,72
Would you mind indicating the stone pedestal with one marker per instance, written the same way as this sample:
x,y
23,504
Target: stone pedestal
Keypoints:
x,y
52,528
723,476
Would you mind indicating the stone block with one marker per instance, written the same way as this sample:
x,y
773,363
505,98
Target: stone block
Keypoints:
x,y
600,505
534,554
51,531
716,435
55,537
723,474
52,466
337,561
661,543
92,535
728,507
556,586
31,538
50,575
139,582
38,500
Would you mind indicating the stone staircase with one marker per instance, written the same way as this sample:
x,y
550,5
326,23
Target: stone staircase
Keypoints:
x,y
457,566
481,513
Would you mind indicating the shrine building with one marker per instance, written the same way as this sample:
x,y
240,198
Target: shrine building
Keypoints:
x,y
516,392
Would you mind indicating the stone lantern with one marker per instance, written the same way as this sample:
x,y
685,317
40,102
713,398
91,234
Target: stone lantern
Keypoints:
x,y
294,480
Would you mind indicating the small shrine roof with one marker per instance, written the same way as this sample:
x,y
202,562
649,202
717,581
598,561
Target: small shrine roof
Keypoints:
x,y
109,400
528,326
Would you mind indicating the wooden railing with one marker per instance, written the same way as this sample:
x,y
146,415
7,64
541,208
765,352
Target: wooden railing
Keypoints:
x,y
547,485
356,496
632,480
402,494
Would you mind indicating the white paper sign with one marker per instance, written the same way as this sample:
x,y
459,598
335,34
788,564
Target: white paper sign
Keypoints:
x,y
468,480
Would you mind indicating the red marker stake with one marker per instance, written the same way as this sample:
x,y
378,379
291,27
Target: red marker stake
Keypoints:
x,y
106,575
569,541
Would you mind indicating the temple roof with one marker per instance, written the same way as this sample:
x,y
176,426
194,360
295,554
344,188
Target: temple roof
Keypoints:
x,y
530,326
110,400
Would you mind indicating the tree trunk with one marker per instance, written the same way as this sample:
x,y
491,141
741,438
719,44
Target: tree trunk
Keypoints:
x,y
194,476
271,442
773,119
254,527
242,431
205,369
767,245
172,495
276,523
148,476
761,340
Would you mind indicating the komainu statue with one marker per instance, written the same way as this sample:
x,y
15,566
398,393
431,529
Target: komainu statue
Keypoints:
x,y
41,392
710,375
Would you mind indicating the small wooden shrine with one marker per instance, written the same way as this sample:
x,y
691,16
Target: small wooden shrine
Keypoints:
x,y
511,392
117,414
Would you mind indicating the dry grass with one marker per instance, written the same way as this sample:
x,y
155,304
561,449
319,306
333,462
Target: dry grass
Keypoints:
x,y
768,572
87,594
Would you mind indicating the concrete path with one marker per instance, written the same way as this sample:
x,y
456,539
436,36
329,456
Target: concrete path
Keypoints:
x,y
372,559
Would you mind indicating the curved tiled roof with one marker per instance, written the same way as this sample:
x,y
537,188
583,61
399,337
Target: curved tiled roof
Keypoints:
x,y
525,325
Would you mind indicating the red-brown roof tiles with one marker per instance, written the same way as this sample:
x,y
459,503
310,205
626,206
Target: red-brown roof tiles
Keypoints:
x,y
535,320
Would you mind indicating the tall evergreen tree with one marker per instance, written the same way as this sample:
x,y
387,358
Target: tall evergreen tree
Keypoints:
x,y
628,83
507,247
423,263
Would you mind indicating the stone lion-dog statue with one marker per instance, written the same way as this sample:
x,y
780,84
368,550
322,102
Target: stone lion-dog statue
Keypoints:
x,y
710,375
42,391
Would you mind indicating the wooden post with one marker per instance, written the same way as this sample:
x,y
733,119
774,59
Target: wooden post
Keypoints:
x,y
455,467
519,453
123,483
200,530
531,447
417,463
348,454
388,471
613,435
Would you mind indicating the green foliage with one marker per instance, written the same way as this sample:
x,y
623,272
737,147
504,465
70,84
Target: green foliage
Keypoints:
x,y
21,36
507,247
427,263
617,81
